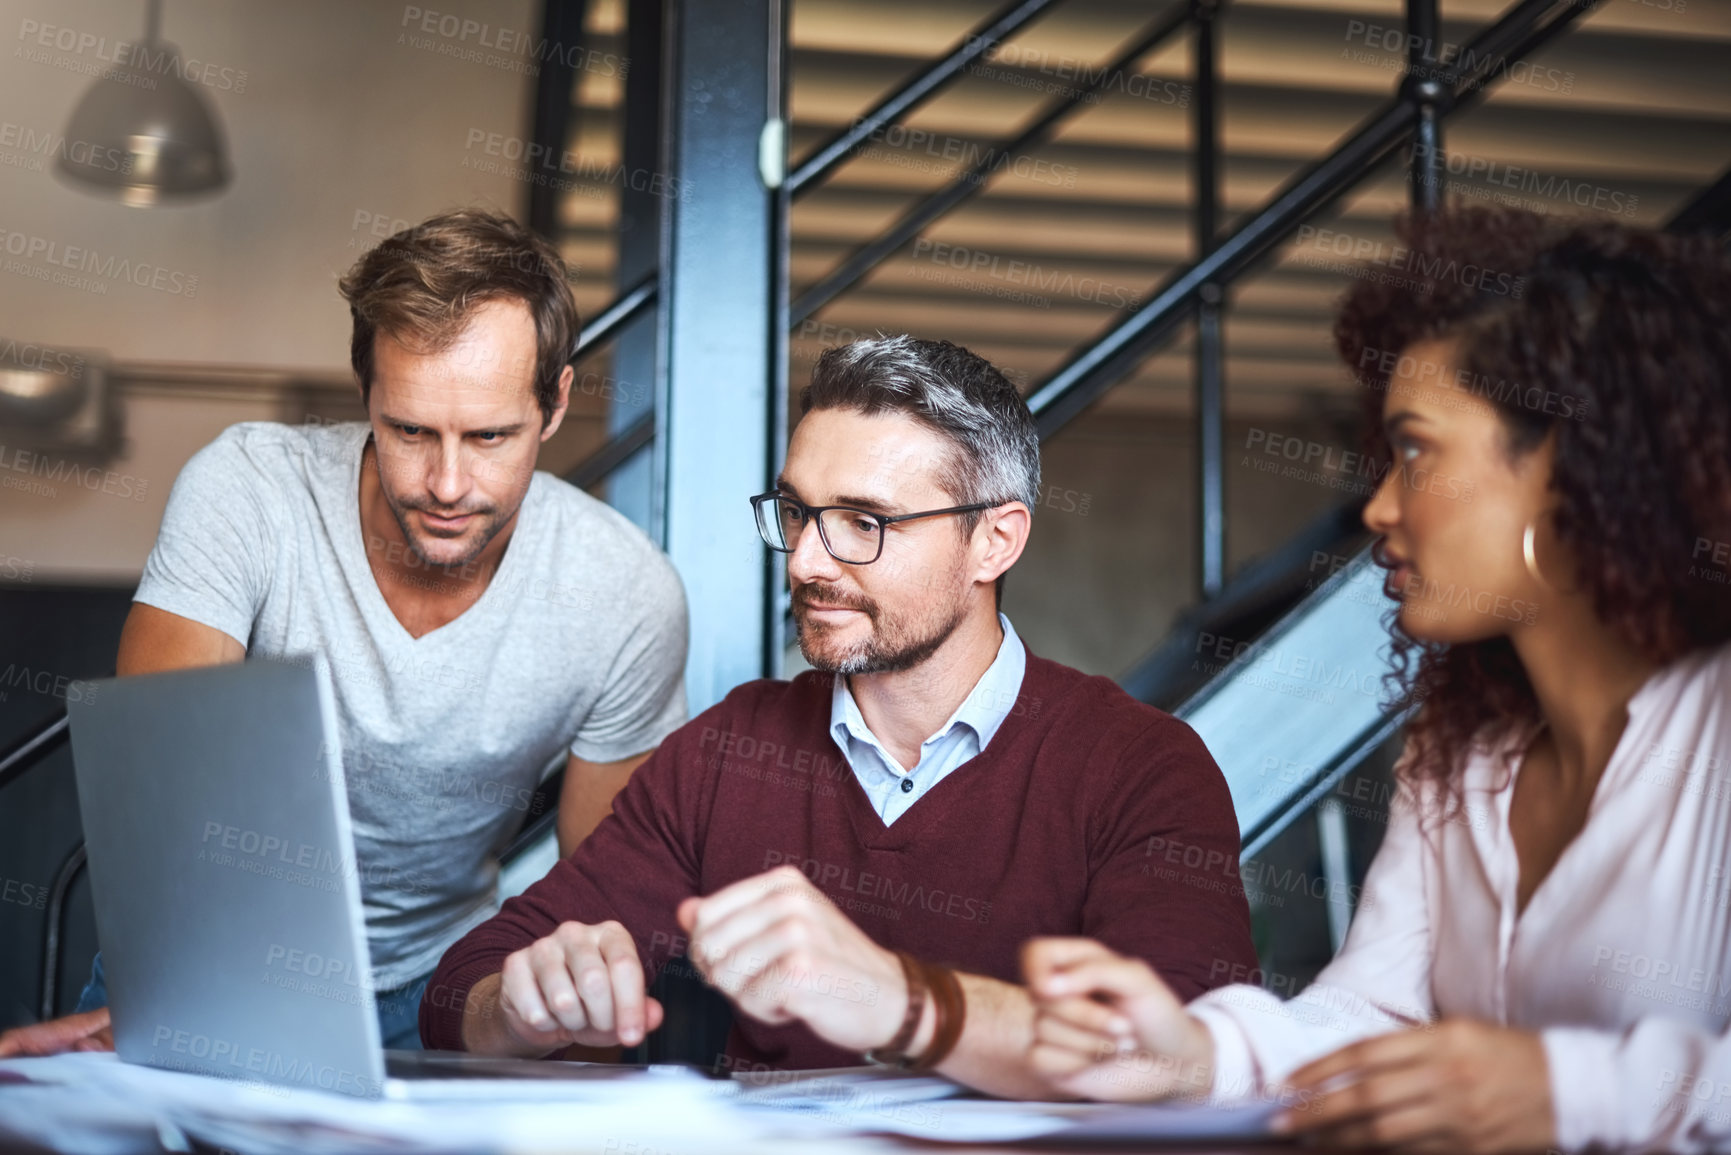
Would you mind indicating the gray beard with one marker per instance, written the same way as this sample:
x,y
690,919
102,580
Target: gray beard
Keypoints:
x,y
876,658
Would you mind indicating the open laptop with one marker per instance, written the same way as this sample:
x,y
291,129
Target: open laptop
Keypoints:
x,y
227,896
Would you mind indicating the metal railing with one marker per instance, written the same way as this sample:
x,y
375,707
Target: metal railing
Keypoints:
x,y
1428,94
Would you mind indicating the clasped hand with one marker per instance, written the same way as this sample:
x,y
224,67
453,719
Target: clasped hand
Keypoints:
x,y
1107,1027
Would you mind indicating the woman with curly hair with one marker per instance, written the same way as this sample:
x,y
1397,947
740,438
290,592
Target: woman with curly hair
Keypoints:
x,y
1542,953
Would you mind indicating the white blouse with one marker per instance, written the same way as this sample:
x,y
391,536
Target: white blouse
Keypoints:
x,y
1621,961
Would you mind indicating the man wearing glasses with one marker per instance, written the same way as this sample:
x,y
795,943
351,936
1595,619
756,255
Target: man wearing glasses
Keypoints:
x,y
855,857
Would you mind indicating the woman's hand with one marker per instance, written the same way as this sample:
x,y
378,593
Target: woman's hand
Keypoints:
x,y
1107,1027
1459,1086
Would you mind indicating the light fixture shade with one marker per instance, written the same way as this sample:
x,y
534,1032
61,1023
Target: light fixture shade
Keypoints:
x,y
144,137
56,398
38,397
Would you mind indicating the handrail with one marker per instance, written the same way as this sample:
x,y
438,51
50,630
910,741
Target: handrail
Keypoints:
x,y
832,153
1707,211
615,316
54,918
871,254
1253,841
619,448
1263,588
1095,368
616,451
34,747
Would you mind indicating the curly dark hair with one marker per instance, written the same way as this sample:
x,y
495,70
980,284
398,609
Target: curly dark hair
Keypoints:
x,y
1618,341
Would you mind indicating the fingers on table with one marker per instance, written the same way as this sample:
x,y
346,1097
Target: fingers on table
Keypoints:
x,y
1366,1106
628,992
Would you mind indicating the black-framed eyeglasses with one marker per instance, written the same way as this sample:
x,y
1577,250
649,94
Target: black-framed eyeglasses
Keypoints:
x,y
852,536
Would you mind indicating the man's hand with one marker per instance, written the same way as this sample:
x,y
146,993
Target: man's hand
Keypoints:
x,y
88,1031
1458,1086
780,950
1107,1027
580,984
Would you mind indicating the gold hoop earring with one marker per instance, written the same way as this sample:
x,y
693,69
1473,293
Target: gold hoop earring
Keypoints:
x,y
1531,556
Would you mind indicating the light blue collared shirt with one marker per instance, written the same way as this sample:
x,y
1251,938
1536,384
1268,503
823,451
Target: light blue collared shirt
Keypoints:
x,y
967,733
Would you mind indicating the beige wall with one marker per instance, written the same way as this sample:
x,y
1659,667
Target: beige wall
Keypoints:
x,y
99,528
334,122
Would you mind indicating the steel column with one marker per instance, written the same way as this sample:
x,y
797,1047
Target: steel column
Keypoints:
x,y
1335,848
773,160
1425,87
713,451
562,29
631,487
1209,355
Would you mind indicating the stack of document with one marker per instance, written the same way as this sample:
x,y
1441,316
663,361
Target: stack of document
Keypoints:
x,y
94,1104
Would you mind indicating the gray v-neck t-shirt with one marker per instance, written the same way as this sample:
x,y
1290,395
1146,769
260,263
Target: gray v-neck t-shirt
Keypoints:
x,y
577,644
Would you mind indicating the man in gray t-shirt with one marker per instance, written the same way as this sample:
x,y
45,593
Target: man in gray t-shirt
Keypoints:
x,y
483,623
574,649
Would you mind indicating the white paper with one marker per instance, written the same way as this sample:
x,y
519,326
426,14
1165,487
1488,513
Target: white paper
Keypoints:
x,y
94,1104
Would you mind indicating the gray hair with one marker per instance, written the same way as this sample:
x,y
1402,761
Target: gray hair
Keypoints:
x,y
958,394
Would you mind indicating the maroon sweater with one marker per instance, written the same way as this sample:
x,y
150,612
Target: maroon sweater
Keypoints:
x,y
1088,813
